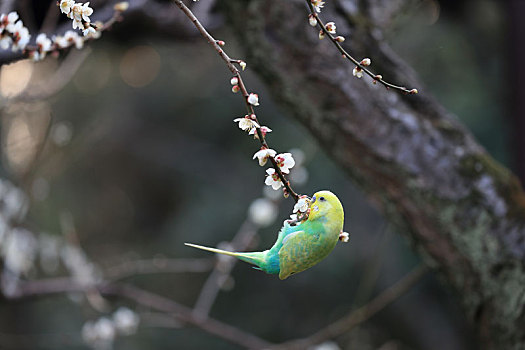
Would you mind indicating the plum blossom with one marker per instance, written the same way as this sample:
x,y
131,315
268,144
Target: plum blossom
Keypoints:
x,y
344,236
366,62
44,46
317,4
246,123
263,212
285,161
20,35
65,6
263,155
253,99
302,205
9,20
273,179
121,6
264,131
357,72
126,321
89,31
99,334
312,20
330,27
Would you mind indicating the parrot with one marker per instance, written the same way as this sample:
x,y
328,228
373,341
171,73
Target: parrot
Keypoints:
x,y
301,246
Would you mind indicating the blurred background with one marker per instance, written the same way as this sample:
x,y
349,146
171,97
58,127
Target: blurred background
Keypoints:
x,y
138,153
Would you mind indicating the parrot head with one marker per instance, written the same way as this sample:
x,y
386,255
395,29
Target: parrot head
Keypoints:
x,y
325,204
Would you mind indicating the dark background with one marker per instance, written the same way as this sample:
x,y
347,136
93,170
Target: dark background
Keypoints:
x,y
155,160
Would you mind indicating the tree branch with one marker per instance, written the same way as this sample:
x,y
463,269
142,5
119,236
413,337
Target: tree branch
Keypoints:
x,y
462,210
236,73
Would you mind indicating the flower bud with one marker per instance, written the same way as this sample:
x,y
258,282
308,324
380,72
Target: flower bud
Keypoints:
x,y
366,62
312,20
121,6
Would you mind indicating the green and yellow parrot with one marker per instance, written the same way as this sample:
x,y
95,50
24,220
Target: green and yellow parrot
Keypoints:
x,y
301,246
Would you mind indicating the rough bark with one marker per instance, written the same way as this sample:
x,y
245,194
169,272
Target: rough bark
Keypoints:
x,y
463,211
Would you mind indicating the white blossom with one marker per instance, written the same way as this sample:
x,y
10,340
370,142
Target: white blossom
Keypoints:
x,y
86,12
234,81
263,212
273,179
8,20
21,35
285,162
253,99
99,334
357,72
318,5
312,20
5,42
19,251
89,31
302,205
44,46
65,6
78,24
344,236
263,155
126,321
264,131
330,27
73,37
246,123
366,62
121,6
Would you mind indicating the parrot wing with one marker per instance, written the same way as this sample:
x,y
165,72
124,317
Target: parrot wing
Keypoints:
x,y
296,253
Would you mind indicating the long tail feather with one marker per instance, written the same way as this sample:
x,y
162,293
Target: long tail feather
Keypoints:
x,y
213,250
256,258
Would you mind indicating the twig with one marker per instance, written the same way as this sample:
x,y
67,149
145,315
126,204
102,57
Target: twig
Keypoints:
x,y
211,287
354,318
142,297
376,77
230,64
153,266
9,57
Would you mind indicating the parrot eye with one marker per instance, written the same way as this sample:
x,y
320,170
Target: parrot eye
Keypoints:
x,y
322,199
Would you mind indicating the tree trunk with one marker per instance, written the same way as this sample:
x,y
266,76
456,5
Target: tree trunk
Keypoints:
x,y
464,212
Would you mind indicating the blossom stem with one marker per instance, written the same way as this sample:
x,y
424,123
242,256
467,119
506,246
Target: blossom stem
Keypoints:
x,y
236,73
376,77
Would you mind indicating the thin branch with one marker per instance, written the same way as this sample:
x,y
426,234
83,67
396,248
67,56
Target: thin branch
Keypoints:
x,y
376,77
222,271
364,313
142,297
9,57
236,73
154,266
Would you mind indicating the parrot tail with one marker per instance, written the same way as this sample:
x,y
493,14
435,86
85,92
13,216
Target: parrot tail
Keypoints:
x,y
255,258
